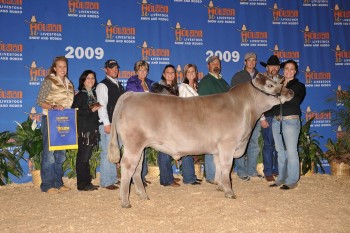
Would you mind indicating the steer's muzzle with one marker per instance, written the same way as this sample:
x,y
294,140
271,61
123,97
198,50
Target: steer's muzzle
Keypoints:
x,y
286,95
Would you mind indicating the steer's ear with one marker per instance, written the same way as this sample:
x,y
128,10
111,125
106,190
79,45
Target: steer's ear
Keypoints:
x,y
281,80
260,79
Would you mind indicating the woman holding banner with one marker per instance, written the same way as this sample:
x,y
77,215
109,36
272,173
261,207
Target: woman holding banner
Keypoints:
x,y
56,92
88,136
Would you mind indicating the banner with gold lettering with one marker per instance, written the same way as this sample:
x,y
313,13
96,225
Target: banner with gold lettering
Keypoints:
x,y
62,126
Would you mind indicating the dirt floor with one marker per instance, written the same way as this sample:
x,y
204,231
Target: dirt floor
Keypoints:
x,y
320,203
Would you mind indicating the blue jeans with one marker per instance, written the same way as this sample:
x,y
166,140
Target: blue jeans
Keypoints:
x,y
269,153
108,170
51,162
288,160
144,171
188,173
246,165
165,169
209,167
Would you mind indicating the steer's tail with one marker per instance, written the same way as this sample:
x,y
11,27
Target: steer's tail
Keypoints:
x,y
113,148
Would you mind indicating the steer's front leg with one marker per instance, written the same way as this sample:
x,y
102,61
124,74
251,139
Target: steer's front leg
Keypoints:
x,y
225,184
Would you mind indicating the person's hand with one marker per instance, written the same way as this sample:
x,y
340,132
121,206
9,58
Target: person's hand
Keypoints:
x,y
264,124
107,129
95,108
57,107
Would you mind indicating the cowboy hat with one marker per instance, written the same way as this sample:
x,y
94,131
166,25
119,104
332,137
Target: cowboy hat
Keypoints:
x,y
273,61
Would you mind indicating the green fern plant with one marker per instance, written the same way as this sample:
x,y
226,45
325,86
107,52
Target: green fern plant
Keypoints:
x,y
69,165
152,156
339,150
29,139
9,158
310,152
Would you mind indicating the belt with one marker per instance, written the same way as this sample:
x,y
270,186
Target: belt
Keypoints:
x,y
291,117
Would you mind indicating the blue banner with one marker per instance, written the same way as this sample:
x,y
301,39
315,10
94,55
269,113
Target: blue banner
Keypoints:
x,y
314,33
62,126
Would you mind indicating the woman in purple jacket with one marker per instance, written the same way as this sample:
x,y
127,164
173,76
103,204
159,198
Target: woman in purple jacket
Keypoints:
x,y
140,83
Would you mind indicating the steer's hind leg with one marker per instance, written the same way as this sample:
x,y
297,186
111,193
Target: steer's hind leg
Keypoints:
x,y
140,189
129,163
125,181
217,179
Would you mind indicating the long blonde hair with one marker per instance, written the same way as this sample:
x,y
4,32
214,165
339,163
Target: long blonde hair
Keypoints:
x,y
54,63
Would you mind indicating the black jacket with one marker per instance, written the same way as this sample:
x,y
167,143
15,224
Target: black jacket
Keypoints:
x,y
292,107
87,120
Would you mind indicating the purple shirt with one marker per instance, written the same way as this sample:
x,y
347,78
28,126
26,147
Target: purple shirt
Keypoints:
x,y
134,84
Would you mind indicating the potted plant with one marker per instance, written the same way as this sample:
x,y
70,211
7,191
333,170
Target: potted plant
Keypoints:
x,y
28,137
198,166
338,151
9,158
338,156
310,152
152,160
69,165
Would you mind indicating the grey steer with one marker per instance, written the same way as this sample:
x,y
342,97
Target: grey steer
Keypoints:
x,y
218,124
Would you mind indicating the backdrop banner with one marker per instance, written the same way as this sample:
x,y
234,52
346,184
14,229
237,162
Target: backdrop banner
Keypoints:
x,y
314,33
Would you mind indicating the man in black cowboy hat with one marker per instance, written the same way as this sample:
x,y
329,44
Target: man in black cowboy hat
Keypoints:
x,y
273,66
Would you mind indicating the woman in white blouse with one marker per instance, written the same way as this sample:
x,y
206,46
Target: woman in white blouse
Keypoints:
x,y
189,85
188,88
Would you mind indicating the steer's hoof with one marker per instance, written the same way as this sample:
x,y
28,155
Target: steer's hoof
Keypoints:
x,y
230,195
127,205
143,197
219,188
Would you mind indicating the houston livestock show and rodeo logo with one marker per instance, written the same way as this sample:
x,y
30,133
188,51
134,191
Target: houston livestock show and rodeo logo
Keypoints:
x,y
321,119
36,74
154,12
83,9
155,56
11,98
314,38
284,17
185,36
253,38
341,17
222,15
11,52
11,7
342,57
39,30
315,78
285,55
117,34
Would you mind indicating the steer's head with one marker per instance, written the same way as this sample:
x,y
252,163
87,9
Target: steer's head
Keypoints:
x,y
270,87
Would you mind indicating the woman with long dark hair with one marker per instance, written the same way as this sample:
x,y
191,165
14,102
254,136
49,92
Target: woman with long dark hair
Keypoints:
x,y
286,128
88,136
167,86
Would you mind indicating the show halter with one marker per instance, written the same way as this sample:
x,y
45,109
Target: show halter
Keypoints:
x,y
278,97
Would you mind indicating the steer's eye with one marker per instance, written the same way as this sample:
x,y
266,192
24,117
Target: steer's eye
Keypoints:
x,y
269,85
